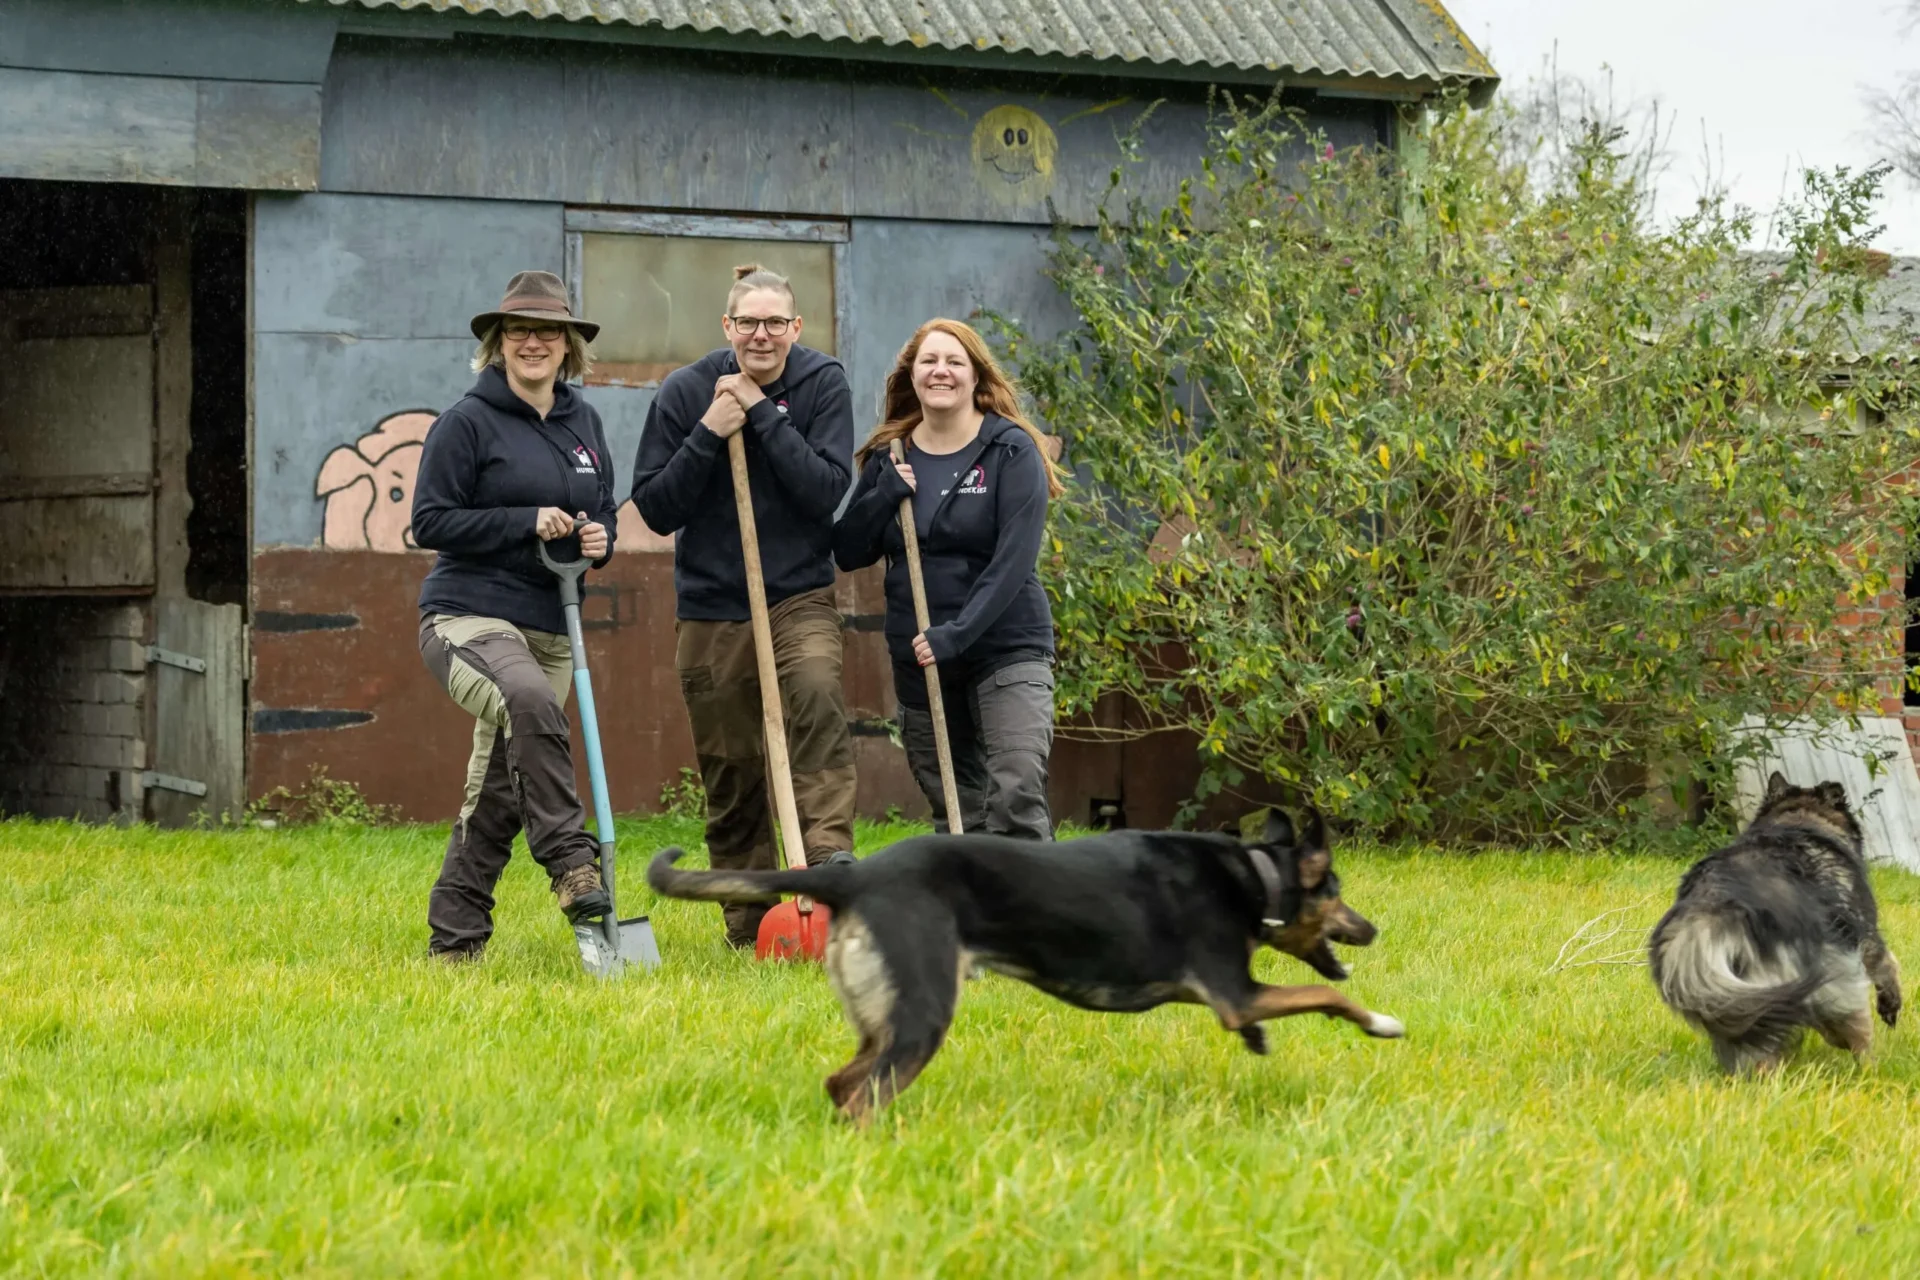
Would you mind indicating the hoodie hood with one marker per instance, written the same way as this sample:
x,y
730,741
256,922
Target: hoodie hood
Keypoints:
x,y
493,390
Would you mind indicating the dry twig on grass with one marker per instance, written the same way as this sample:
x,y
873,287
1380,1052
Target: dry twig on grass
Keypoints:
x,y
1577,951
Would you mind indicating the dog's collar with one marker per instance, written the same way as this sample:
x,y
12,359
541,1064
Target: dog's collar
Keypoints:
x,y
1270,881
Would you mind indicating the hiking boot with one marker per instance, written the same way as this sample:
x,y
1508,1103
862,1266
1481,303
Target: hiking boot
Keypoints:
x,y
582,895
453,957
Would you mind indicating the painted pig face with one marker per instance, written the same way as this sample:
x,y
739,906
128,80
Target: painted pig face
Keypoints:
x,y
368,485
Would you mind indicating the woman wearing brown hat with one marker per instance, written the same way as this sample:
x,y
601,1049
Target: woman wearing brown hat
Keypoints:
x,y
522,457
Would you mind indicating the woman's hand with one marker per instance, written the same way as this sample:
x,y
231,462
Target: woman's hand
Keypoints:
x,y
906,473
922,651
593,538
552,523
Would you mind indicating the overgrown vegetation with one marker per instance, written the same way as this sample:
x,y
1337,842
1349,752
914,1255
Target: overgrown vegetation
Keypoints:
x,y
686,798
321,800
1461,504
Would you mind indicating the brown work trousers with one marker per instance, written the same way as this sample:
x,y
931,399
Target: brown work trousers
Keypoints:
x,y
720,681
513,681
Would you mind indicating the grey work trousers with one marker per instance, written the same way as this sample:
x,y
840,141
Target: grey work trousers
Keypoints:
x,y
1000,731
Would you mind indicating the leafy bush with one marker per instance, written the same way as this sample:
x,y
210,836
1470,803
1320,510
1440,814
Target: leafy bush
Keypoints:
x,y
320,801
1457,504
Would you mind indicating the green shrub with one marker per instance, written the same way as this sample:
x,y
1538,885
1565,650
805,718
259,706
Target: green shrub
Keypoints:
x,y
1457,504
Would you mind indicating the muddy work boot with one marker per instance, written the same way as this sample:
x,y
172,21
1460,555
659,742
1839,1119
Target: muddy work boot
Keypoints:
x,y
582,895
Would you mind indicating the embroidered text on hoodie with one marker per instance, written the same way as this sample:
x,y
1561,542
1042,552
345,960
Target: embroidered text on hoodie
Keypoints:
x,y
979,555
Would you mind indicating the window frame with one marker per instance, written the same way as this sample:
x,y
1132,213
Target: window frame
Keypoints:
x,y
832,232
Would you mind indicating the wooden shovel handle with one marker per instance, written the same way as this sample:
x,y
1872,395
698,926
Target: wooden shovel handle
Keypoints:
x,y
949,789
771,717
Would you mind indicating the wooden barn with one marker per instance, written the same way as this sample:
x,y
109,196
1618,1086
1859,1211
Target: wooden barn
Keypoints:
x,y
243,239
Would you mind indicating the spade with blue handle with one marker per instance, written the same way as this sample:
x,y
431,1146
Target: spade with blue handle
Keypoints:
x,y
607,945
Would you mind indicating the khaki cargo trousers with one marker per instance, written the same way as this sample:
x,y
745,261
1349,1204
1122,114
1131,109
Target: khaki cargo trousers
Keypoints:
x,y
513,681
720,682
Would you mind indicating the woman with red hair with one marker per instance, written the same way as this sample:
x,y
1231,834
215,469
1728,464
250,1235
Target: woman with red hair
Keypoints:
x,y
980,477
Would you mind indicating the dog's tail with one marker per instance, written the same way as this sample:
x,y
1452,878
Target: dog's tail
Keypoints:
x,y
1712,971
830,884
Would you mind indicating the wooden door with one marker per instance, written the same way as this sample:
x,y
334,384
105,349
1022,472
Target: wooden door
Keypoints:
x,y
196,679
77,439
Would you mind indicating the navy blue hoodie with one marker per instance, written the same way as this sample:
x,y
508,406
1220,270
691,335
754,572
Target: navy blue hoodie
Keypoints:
x,y
489,464
980,554
799,458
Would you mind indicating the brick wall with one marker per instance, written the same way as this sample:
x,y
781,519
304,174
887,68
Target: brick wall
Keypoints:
x,y
73,682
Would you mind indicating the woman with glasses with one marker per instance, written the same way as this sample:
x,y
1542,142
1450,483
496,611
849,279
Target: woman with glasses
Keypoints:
x,y
520,459
795,411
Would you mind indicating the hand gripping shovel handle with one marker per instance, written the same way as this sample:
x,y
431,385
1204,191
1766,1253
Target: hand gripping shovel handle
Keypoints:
x,y
949,790
773,719
569,573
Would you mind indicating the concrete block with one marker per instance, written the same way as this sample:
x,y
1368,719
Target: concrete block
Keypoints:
x,y
114,720
119,622
114,687
100,752
126,655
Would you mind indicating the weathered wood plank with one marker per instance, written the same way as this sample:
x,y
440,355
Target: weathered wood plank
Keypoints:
x,y
76,126
172,393
88,128
207,39
199,718
707,225
264,137
60,544
392,266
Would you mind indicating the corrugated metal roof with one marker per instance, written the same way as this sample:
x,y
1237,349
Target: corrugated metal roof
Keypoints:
x,y
1411,40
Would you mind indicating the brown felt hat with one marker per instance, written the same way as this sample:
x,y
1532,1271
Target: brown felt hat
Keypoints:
x,y
534,295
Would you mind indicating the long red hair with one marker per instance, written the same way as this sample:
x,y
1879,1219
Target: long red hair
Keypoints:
x,y
994,392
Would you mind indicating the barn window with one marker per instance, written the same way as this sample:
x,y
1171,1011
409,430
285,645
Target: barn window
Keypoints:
x,y
657,283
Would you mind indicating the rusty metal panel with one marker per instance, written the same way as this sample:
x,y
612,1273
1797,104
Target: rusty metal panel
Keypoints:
x,y
1412,40
338,682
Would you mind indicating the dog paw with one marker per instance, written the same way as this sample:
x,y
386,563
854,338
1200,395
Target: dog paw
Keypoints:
x,y
1889,1009
1383,1027
1256,1038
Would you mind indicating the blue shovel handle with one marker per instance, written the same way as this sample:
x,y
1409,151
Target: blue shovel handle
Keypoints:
x,y
569,572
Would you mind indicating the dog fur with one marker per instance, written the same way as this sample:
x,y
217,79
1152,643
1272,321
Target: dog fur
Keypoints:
x,y
1779,932
1117,923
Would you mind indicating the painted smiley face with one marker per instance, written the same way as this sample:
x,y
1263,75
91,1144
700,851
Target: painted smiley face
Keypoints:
x,y
1013,152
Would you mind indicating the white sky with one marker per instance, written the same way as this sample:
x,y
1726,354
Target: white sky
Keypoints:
x,y
1777,84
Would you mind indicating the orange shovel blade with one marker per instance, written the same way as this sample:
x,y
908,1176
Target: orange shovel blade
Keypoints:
x,y
787,933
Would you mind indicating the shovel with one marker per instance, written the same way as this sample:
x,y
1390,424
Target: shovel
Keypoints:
x,y
796,929
949,789
607,945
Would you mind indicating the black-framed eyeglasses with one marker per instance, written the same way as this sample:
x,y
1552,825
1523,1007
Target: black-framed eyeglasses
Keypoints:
x,y
544,332
774,325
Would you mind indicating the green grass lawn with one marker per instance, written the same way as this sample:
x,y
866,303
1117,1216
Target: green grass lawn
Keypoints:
x,y
224,1053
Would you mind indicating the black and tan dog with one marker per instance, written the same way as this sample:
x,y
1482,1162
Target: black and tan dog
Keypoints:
x,y
1116,923
1777,932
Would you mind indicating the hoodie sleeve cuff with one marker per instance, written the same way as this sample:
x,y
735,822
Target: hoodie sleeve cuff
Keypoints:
x,y
702,441
763,417
891,486
940,640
